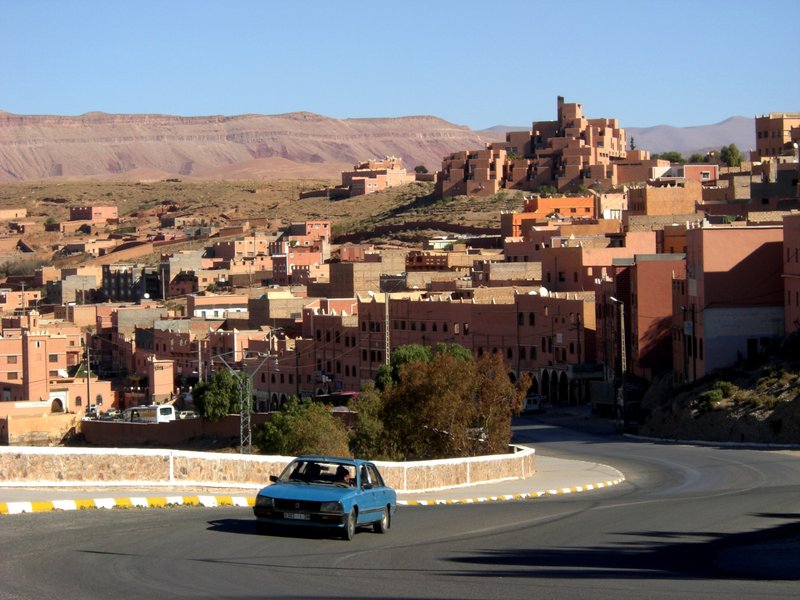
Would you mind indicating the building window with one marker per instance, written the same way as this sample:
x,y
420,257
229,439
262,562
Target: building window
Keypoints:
x,y
78,401
13,375
53,373
53,358
12,360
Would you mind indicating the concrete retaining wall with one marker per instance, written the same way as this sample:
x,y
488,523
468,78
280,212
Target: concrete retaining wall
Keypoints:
x,y
24,466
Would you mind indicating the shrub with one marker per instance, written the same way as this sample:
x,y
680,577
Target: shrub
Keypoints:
x,y
726,388
708,400
303,427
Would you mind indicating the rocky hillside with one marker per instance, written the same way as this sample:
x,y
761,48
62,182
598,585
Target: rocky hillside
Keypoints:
x,y
289,146
757,404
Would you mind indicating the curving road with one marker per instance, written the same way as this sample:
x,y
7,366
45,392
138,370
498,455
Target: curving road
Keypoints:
x,y
689,522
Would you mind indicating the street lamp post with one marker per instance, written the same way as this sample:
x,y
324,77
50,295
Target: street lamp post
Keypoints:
x,y
623,361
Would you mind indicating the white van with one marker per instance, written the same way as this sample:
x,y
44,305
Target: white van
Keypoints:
x,y
155,413
534,403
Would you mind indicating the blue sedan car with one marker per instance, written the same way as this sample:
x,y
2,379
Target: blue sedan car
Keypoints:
x,y
337,493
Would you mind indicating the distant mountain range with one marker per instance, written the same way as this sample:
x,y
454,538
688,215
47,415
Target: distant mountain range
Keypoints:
x,y
663,138
289,146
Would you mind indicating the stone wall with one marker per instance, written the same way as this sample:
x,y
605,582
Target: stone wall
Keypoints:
x,y
25,466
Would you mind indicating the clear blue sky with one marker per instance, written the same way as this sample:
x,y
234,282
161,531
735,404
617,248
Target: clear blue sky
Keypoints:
x,y
475,63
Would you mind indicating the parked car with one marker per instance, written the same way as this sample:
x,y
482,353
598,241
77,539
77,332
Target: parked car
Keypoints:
x,y
534,403
336,493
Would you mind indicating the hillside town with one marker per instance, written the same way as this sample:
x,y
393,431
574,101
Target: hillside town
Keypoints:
x,y
618,269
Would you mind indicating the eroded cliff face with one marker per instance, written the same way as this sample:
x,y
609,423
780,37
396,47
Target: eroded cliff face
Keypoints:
x,y
292,145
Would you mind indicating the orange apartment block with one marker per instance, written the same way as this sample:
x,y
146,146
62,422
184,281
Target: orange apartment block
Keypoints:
x,y
572,265
544,335
730,306
215,306
638,166
791,273
471,173
375,175
12,301
94,214
35,357
429,260
564,154
671,198
10,214
644,284
250,246
775,134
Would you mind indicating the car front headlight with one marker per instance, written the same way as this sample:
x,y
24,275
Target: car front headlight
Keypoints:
x,y
331,507
265,502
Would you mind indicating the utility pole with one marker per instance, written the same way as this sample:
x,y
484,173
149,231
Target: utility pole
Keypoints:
x,y
199,362
88,378
387,341
623,363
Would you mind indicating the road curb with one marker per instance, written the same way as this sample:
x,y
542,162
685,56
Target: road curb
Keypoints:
x,y
521,496
207,501
214,501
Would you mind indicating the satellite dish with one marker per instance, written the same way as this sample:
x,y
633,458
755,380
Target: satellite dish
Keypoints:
x,y
146,296
543,292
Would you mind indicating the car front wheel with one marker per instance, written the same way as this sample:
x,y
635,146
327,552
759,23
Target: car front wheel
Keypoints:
x,y
349,529
383,525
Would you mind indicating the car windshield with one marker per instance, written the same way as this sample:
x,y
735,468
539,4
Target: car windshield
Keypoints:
x,y
319,472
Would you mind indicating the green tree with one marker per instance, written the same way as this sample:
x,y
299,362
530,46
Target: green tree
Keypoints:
x,y
367,435
495,400
303,427
730,156
672,156
389,375
429,411
547,191
454,350
420,169
220,396
697,157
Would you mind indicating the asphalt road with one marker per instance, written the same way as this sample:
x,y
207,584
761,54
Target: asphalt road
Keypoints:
x,y
688,522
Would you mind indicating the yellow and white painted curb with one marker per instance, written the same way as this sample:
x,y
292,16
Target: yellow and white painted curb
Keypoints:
x,y
213,501
14,508
522,496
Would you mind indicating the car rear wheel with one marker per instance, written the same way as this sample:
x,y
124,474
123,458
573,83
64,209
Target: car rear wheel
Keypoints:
x,y
349,529
383,525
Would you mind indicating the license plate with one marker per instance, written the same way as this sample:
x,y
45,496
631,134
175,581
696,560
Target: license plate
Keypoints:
x,y
296,516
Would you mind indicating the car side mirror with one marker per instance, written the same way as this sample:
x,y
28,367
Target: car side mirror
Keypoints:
x,y
366,486
273,478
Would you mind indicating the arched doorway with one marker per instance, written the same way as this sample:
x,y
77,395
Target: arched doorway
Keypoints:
x,y
534,387
563,389
57,406
554,397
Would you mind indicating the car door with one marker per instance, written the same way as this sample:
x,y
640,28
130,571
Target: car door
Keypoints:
x,y
368,497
